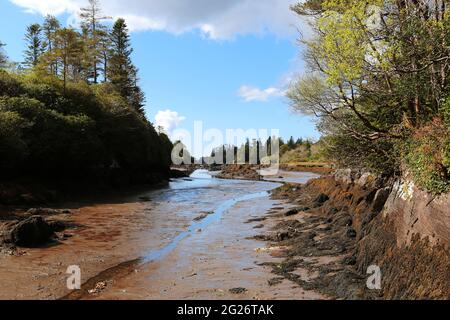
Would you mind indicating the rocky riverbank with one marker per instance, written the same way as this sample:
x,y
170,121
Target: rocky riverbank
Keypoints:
x,y
341,224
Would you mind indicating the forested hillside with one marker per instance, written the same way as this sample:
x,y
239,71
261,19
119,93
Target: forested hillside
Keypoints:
x,y
73,106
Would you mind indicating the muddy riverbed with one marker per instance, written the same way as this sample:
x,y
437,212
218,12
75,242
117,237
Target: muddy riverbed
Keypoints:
x,y
191,240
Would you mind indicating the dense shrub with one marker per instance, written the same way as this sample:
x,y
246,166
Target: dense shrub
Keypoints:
x,y
13,149
9,85
380,156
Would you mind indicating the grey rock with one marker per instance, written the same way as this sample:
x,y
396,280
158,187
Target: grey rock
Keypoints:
x,y
30,233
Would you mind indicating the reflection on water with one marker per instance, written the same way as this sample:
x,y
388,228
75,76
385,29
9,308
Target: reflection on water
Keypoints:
x,y
198,179
200,225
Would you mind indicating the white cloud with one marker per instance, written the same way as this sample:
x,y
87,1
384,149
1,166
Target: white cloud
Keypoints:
x,y
249,93
218,19
48,7
168,120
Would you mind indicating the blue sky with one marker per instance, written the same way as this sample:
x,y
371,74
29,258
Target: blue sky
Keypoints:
x,y
218,66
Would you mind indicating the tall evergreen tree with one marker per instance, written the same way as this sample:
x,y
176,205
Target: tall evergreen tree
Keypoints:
x,y
121,72
50,26
68,52
291,143
120,68
92,18
33,38
137,98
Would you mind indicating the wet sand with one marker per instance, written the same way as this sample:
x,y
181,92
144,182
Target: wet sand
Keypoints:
x,y
189,241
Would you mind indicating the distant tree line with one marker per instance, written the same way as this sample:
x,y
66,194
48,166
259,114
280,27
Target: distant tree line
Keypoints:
x,y
255,151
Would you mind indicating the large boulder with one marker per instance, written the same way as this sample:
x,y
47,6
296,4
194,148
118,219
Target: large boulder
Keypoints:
x,y
30,233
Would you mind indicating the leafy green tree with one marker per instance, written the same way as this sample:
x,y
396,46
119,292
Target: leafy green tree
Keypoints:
x,y
68,52
33,38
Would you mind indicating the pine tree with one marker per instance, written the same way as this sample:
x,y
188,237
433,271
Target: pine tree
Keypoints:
x,y
120,63
137,98
51,25
68,53
91,22
34,45
291,143
121,72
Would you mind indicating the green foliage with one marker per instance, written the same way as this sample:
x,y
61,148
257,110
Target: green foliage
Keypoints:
x,y
445,111
380,156
96,35
10,85
302,151
121,71
12,148
35,46
50,27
